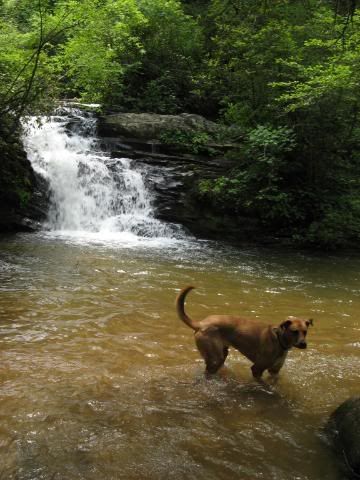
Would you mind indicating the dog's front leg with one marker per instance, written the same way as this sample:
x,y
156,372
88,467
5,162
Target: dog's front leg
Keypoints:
x,y
276,367
274,372
257,372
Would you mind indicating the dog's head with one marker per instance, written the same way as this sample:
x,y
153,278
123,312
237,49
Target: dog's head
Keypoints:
x,y
293,331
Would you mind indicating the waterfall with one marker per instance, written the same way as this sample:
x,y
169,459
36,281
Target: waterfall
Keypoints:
x,y
90,192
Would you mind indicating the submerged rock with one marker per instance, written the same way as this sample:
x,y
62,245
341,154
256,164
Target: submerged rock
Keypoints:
x,y
344,431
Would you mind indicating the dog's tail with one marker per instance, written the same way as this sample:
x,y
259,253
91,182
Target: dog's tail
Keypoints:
x,y
179,303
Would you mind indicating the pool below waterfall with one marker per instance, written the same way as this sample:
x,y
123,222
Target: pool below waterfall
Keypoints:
x,y
101,380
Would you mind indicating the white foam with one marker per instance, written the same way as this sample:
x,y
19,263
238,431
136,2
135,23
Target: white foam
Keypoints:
x,y
93,197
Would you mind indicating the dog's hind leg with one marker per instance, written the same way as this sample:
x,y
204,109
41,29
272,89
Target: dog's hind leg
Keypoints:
x,y
212,349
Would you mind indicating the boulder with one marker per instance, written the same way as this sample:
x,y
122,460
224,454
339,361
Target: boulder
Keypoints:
x,y
344,431
150,126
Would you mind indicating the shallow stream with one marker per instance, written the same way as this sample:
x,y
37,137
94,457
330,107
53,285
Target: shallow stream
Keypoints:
x,y
100,380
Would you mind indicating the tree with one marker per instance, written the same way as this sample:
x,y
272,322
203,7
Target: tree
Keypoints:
x,y
26,66
97,53
172,51
295,66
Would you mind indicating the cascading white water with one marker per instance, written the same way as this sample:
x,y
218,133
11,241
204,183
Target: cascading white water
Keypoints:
x,y
90,192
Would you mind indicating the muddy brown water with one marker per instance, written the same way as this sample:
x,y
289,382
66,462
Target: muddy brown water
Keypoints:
x,y
100,380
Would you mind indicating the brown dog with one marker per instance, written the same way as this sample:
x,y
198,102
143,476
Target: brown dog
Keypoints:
x,y
265,345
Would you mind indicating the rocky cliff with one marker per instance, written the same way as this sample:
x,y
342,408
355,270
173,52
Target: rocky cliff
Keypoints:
x,y
23,194
174,175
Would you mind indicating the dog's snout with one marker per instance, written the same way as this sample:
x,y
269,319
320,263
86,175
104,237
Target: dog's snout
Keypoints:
x,y
302,345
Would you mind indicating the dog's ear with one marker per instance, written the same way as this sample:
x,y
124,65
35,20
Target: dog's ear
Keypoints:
x,y
309,322
285,324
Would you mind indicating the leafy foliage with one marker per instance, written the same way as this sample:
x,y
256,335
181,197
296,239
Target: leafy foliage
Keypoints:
x,y
296,66
172,51
101,47
257,186
193,142
282,76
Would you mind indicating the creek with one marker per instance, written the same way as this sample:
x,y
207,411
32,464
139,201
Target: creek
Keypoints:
x,y
98,377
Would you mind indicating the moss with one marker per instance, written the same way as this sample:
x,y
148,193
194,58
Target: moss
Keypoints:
x,y
24,197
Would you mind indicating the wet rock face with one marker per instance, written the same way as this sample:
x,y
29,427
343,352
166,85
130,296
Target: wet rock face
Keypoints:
x,y
23,194
172,174
173,180
344,431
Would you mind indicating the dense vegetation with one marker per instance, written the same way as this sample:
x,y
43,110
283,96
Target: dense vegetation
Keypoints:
x,y
283,76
